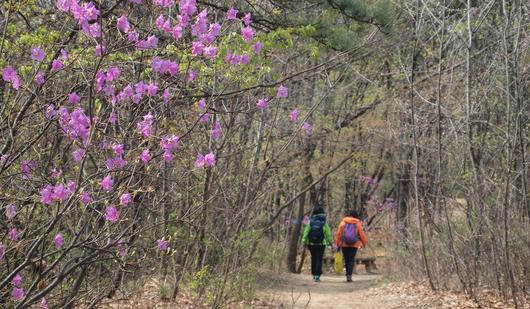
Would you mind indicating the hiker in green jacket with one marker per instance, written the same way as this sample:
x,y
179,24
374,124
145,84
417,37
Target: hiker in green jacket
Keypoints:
x,y
317,235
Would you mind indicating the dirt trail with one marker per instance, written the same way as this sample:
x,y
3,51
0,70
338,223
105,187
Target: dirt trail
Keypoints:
x,y
299,291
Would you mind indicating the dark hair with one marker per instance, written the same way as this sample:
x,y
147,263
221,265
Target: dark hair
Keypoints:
x,y
318,210
353,213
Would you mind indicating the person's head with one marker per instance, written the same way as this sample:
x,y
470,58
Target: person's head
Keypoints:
x,y
353,213
318,210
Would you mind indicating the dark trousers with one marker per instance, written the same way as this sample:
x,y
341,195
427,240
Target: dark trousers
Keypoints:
x,y
317,255
349,259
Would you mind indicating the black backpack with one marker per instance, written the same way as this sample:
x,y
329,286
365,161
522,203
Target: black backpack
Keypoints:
x,y
316,233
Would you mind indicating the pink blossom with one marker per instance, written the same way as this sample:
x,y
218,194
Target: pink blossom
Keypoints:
x,y
73,98
262,104
201,104
196,48
216,130
123,24
247,34
17,281
11,211
245,58
163,3
201,24
152,89
85,198
199,161
176,32
17,294
107,183
308,128
191,75
168,156
10,75
64,5
294,115
246,19
145,156
59,192
209,159
43,303
64,54
166,95
113,73
57,65
118,149
152,41
165,66
282,92
50,111
210,52
37,54
58,241
100,49
231,14
133,36
115,163
162,244
257,47
145,126
113,117
205,117
78,154
112,214
39,78
215,29
187,7
170,142
12,234
56,173
46,195
125,199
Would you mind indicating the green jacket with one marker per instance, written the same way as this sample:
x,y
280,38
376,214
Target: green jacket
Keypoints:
x,y
328,240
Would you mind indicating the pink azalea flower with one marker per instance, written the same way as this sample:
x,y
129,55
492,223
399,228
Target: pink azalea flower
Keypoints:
x,y
145,156
257,47
170,142
262,104
113,73
85,198
107,183
113,117
39,78
282,92
115,163
43,303
162,244
231,14
152,89
201,104
78,154
191,76
308,128
71,186
166,95
294,115
245,58
215,29
216,130
64,54
12,234
187,7
59,192
152,41
118,149
58,241
247,19
247,34
133,36
17,294
205,117
11,211
100,49
112,214
46,195
10,75
64,5
209,159
145,126
210,52
199,161
73,98
17,281
123,24
37,54
196,48
176,32
168,156
163,3
57,65
125,199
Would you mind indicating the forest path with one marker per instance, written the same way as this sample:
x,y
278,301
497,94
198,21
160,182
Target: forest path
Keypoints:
x,y
299,291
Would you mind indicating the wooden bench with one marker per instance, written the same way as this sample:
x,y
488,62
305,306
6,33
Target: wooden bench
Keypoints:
x,y
365,257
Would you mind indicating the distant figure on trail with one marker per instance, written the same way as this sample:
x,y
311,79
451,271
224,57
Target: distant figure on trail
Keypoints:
x,y
350,237
317,235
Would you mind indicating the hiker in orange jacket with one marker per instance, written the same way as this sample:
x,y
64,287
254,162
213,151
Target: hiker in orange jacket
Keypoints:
x,y
350,237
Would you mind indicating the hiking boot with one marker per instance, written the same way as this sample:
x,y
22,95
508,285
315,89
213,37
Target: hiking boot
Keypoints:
x,y
348,279
317,279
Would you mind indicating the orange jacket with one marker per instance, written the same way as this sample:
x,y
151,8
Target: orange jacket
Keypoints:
x,y
362,238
